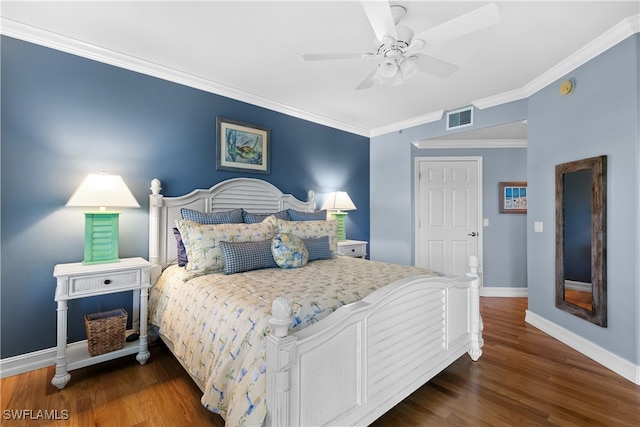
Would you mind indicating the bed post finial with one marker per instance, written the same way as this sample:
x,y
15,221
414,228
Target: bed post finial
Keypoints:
x,y
474,265
311,198
155,186
280,317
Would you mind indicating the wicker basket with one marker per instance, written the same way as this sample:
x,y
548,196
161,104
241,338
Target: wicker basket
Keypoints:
x,y
106,331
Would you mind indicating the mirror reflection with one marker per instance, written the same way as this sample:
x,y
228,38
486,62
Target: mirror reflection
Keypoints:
x,y
580,238
577,238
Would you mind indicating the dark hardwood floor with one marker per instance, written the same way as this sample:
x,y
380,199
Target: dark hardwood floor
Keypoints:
x,y
524,378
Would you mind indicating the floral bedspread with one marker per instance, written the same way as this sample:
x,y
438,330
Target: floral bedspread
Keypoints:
x,y
218,323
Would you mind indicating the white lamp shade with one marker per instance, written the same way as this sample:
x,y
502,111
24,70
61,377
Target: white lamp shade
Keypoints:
x,y
103,190
339,201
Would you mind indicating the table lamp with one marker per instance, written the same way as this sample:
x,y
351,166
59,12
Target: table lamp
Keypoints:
x,y
336,204
101,227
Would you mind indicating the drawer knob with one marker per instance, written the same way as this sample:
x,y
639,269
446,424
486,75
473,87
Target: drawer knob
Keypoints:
x,y
107,282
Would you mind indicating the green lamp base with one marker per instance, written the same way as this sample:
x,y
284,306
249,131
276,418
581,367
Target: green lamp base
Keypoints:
x,y
101,230
339,218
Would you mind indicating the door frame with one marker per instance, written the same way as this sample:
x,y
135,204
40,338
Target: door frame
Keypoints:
x,y
416,200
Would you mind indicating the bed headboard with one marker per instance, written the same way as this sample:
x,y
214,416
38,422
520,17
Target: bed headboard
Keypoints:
x,y
253,195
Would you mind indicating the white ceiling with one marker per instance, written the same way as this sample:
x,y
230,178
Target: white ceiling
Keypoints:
x,y
252,51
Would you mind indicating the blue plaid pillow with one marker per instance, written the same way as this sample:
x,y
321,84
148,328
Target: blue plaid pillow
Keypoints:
x,y
318,248
252,218
307,216
246,256
229,217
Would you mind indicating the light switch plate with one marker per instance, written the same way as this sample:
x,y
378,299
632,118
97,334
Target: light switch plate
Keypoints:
x,y
538,226
485,222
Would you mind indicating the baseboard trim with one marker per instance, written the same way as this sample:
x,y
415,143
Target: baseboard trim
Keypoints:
x,y
604,357
22,363
504,292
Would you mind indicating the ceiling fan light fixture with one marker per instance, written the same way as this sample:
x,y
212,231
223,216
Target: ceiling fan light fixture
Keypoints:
x,y
409,67
388,69
396,80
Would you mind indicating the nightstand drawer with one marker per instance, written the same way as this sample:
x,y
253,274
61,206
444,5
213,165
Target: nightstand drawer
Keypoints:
x,y
79,285
353,250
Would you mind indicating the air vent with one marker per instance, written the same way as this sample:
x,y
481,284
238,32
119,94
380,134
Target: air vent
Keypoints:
x,y
460,118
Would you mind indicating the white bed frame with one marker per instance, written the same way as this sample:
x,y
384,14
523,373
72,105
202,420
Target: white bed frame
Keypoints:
x,y
357,363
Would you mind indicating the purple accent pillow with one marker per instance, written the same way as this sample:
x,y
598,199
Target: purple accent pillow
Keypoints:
x,y
182,252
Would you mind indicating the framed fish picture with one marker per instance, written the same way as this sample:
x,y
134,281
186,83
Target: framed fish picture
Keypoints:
x,y
242,147
513,197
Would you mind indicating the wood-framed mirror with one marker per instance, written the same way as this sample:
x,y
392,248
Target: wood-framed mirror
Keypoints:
x,y
581,266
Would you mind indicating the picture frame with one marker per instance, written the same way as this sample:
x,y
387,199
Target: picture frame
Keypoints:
x,y
242,147
513,197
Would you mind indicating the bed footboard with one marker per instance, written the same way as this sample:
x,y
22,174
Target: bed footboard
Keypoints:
x,y
363,359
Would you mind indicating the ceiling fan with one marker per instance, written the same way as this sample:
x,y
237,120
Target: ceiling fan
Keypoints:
x,y
397,51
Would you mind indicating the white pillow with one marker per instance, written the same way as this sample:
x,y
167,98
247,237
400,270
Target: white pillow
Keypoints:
x,y
202,242
307,229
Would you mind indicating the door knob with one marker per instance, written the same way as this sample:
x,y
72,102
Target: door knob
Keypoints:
x,y
473,234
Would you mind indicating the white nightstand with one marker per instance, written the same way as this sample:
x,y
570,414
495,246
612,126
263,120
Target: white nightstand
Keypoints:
x,y
77,280
353,248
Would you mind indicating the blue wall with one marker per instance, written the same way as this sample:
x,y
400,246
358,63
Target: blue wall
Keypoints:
x,y
505,239
601,117
392,178
64,116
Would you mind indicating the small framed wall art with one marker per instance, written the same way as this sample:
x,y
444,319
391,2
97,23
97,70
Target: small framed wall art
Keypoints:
x,y
242,147
513,197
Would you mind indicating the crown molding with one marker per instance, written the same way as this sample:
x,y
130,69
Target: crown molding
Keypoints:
x,y
18,30
625,28
405,124
470,143
11,28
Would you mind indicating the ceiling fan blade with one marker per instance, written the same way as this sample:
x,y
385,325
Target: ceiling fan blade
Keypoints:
x,y
468,23
329,56
380,18
435,67
368,81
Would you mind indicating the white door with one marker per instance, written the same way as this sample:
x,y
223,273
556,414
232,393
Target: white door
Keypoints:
x,y
448,211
